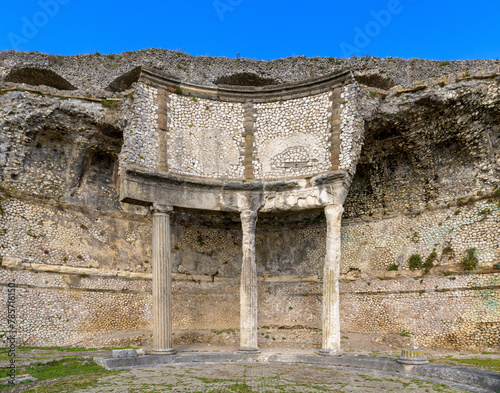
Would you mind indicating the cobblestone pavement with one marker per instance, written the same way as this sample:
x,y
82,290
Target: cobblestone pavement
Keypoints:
x,y
257,378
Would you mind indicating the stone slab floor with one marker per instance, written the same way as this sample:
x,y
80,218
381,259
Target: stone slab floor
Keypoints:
x,y
257,378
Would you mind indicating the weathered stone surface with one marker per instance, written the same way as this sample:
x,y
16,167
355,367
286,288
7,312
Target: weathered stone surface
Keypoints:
x,y
467,379
248,285
412,357
427,178
162,280
331,271
124,353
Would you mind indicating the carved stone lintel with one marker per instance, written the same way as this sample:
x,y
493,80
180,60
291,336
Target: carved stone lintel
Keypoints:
x,y
248,221
157,208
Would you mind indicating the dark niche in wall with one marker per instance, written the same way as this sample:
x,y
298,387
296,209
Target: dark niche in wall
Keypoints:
x,y
374,78
125,81
37,77
246,79
96,183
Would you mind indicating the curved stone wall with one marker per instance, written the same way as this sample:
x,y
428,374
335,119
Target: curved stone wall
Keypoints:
x,y
204,137
427,178
235,133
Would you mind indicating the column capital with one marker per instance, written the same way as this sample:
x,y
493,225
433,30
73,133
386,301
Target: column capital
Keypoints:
x,y
331,210
248,215
334,212
157,208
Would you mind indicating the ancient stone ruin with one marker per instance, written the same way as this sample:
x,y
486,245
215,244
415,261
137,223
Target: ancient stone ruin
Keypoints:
x,y
154,198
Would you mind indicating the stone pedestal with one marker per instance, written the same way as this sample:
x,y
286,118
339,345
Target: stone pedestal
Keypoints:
x,y
413,357
162,280
248,286
331,313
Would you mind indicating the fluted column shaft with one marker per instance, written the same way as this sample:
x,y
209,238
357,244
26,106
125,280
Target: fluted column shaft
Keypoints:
x,y
162,280
248,286
331,311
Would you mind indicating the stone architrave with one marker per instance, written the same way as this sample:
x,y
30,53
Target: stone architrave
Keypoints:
x,y
248,286
331,313
162,280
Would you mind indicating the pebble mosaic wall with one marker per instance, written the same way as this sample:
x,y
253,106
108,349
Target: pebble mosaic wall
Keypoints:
x,y
59,235
75,310
458,311
292,137
89,310
288,138
450,232
455,311
352,128
141,136
288,259
205,137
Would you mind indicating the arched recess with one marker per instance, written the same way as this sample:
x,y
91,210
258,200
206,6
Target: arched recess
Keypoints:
x,y
38,76
125,81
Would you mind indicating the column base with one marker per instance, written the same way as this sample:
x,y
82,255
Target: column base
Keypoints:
x,y
170,351
248,350
329,352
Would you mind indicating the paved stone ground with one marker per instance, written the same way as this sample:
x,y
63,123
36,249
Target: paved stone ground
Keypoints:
x,y
267,378
254,377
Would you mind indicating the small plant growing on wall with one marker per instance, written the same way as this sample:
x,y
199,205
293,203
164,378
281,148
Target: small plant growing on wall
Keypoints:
x,y
448,251
429,261
109,103
404,333
485,211
415,262
393,267
469,262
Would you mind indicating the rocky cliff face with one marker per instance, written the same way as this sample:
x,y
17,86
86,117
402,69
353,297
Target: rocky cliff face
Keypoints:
x,y
427,148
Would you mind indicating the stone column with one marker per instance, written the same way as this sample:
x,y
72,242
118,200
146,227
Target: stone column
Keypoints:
x,y
331,313
162,280
248,286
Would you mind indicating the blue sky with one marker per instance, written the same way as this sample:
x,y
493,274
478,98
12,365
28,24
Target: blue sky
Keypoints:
x,y
258,29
